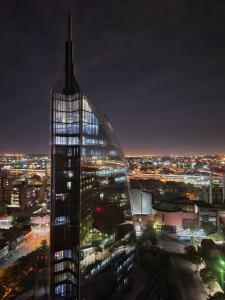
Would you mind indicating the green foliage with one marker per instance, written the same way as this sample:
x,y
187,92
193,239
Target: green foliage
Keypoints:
x,y
208,227
156,263
193,255
24,220
11,276
95,243
12,219
212,285
151,235
194,241
44,245
218,236
193,227
207,276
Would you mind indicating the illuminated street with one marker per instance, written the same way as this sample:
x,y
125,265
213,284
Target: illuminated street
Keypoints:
x,y
30,243
188,280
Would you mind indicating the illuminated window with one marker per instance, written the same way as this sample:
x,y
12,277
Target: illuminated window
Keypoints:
x,y
69,163
59,267
67,117
89,118
60,197
62,220
67,253
65,276
90,129
64,265
73,140
60,140
65,289
72,128
73,105
112,153
72,117
61,289
66,128
69,174
86,105
60,117
69,185
94,142
60,105
60,128
120,179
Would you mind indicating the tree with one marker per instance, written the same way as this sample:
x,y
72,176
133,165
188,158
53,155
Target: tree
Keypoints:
x,y
208,227
193,227
44,245
194,241
217,236
193,255
24,220
212,285
12,219
151,235
208,278
12,276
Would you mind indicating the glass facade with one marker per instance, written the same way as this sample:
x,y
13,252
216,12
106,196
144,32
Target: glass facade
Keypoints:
x,y
92,240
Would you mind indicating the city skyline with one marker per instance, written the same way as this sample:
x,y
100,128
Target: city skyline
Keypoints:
x,y
167,76
112,152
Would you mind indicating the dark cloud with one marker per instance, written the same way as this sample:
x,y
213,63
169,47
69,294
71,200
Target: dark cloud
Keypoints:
x,y
157,68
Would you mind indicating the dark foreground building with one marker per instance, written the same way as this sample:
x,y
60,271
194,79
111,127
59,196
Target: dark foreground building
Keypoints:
x,y
92,242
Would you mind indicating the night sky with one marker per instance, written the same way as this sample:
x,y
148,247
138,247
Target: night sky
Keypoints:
x,y
156,68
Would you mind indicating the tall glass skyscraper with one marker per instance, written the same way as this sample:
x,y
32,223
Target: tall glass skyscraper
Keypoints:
x,y
91,238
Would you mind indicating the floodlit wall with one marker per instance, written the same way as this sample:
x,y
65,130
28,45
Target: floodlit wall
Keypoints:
x,y
141,202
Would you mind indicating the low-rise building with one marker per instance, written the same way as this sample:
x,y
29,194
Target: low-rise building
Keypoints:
x,y
207,212
169,216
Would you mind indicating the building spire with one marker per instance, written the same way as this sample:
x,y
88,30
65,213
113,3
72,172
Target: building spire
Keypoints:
x,y
71,86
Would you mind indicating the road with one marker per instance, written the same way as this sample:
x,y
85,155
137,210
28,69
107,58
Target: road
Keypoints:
x,y
30,294
188,280
30,243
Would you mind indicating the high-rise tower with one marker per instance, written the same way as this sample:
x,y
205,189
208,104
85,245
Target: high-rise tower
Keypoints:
x,y
91,235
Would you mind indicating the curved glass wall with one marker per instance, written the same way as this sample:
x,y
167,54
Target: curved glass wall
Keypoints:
x,y
92,242
106,230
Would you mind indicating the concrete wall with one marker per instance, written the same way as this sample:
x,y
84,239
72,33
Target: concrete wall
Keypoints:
x,y
141,202
170,219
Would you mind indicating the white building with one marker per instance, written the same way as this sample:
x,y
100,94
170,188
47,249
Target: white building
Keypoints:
x,y
141,202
